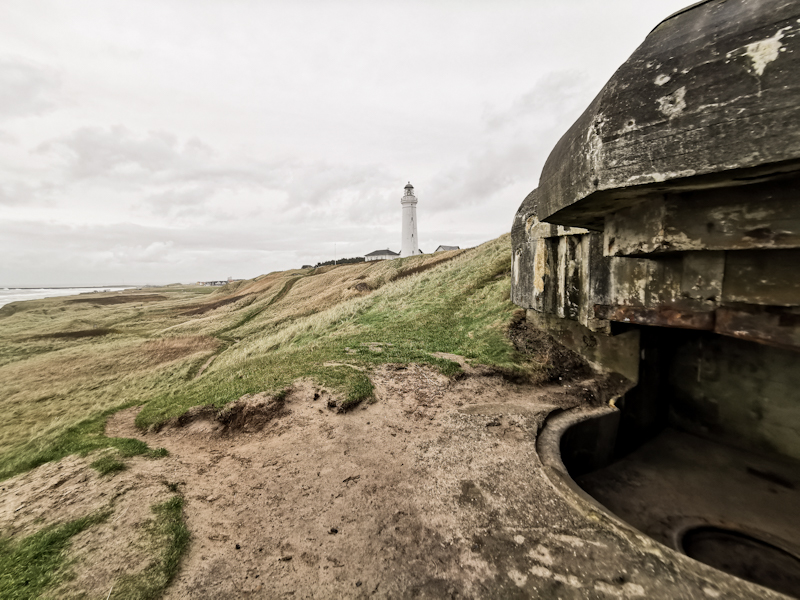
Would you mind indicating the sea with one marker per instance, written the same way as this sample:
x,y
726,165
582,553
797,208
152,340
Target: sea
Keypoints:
x,y
8,295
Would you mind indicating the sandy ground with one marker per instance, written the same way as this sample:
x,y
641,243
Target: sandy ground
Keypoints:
x,y
433,491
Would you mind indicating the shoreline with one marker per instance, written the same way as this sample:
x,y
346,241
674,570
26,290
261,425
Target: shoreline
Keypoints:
x,y
10,295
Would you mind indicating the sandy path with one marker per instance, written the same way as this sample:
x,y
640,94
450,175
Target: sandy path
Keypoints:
x,y
279,493
434,491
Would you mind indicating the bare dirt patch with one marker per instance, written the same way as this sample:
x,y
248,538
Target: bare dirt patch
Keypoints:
x,y
556,362
73,335
250,414
433,491
362,287
120,299
56,493
288,497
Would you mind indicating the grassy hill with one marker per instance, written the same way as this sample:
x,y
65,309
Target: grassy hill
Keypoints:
x,y
67,363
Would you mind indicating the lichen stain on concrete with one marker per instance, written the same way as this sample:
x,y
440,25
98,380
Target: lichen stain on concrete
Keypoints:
x,y
515,266
570,580
519,579
661,177
562,231
627,590
594,143
577,542
726,217
540,266
679,240
762,52
673,105
529,224
539,571
662,79
542,555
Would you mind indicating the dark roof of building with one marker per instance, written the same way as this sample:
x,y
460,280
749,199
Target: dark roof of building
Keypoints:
x,y
409,186
446,248
383,253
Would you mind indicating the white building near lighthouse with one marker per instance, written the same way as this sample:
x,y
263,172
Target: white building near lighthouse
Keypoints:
x,y
410,241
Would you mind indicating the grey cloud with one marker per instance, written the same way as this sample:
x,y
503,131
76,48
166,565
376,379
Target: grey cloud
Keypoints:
x,y
178,202
314,184
96,152
516,142
21,193
485,175
26,88
552,98
157,157
129,238
126,252
15,193
173,176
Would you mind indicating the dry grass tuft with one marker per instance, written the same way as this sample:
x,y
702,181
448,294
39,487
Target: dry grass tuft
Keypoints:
x,y
428,265
208,306
169,349
264,333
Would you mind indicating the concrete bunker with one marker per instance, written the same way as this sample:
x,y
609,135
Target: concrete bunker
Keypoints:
x,y
663,245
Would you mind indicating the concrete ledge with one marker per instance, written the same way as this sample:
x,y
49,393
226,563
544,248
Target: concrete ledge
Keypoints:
x,y
548,448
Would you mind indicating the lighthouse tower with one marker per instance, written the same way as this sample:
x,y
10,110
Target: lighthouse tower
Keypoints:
x,y
410,243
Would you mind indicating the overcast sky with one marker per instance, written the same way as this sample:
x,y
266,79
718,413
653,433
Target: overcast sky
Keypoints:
x,y
156,141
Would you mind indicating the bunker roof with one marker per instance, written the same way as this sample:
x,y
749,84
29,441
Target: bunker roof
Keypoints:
x,y
709,97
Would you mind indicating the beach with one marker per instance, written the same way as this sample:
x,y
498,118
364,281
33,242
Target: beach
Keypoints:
x,y
9,295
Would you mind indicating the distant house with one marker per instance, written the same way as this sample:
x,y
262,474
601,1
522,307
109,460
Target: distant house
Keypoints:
x,y
382,255
446,248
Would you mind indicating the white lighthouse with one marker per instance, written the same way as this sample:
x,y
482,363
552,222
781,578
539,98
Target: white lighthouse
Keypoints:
x,y
410,243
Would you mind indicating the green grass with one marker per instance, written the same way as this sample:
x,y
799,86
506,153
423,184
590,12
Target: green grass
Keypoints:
x,y
333,325
168,532
293,324
461,307
33,566
28,567
81,439
107,465
252,314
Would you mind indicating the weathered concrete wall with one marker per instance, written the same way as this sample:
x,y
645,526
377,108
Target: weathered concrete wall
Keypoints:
x,y
672,203
663,244
711,91
737,285
612,354
741,393
556,270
